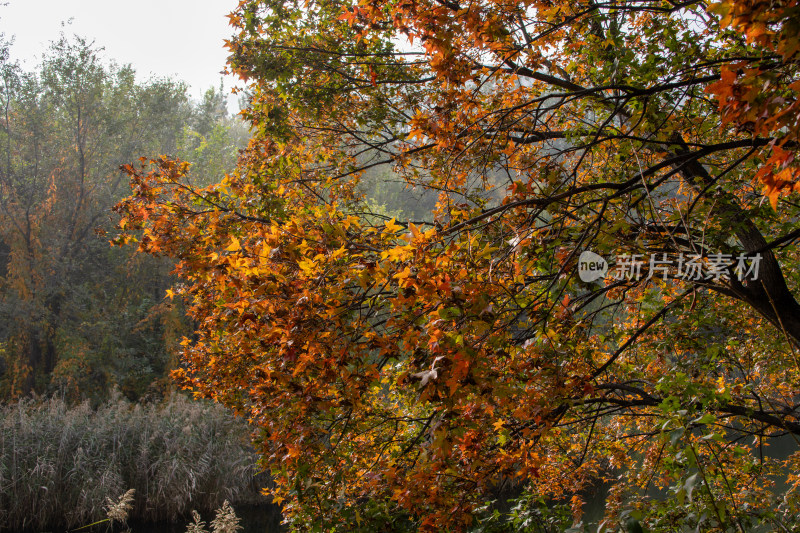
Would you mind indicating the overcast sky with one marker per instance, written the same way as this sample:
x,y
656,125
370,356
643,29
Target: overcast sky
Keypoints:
x,y
182,39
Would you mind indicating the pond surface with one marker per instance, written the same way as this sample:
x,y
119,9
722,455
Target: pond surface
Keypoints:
x,y
254,518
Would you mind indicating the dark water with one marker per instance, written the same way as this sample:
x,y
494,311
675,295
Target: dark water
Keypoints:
x,y
266,518
254,519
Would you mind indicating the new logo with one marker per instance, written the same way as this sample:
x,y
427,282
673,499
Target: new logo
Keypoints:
x,y
591,266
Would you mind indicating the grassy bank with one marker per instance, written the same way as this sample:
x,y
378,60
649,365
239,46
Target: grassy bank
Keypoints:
x,y
59,463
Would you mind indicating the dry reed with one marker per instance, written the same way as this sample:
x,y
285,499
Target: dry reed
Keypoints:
x,y
58,463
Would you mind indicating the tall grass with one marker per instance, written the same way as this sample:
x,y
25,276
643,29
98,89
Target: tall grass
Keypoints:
x,y
59,463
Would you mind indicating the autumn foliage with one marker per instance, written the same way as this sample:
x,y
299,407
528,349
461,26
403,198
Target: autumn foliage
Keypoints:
x,y
402,373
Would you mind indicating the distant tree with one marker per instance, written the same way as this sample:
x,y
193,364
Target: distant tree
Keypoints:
x,y
401,374
212,138
76,314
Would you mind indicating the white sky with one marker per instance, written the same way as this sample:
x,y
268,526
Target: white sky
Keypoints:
x,y
182,39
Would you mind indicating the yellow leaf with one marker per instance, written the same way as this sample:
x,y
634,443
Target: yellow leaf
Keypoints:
x,y
393,226
414,230
234,245
307,266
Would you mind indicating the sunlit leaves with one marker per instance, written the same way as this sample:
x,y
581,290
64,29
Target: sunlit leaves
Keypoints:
x,y
425,365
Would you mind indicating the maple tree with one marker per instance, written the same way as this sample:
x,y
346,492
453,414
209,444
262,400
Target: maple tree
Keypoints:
x,y
402,373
